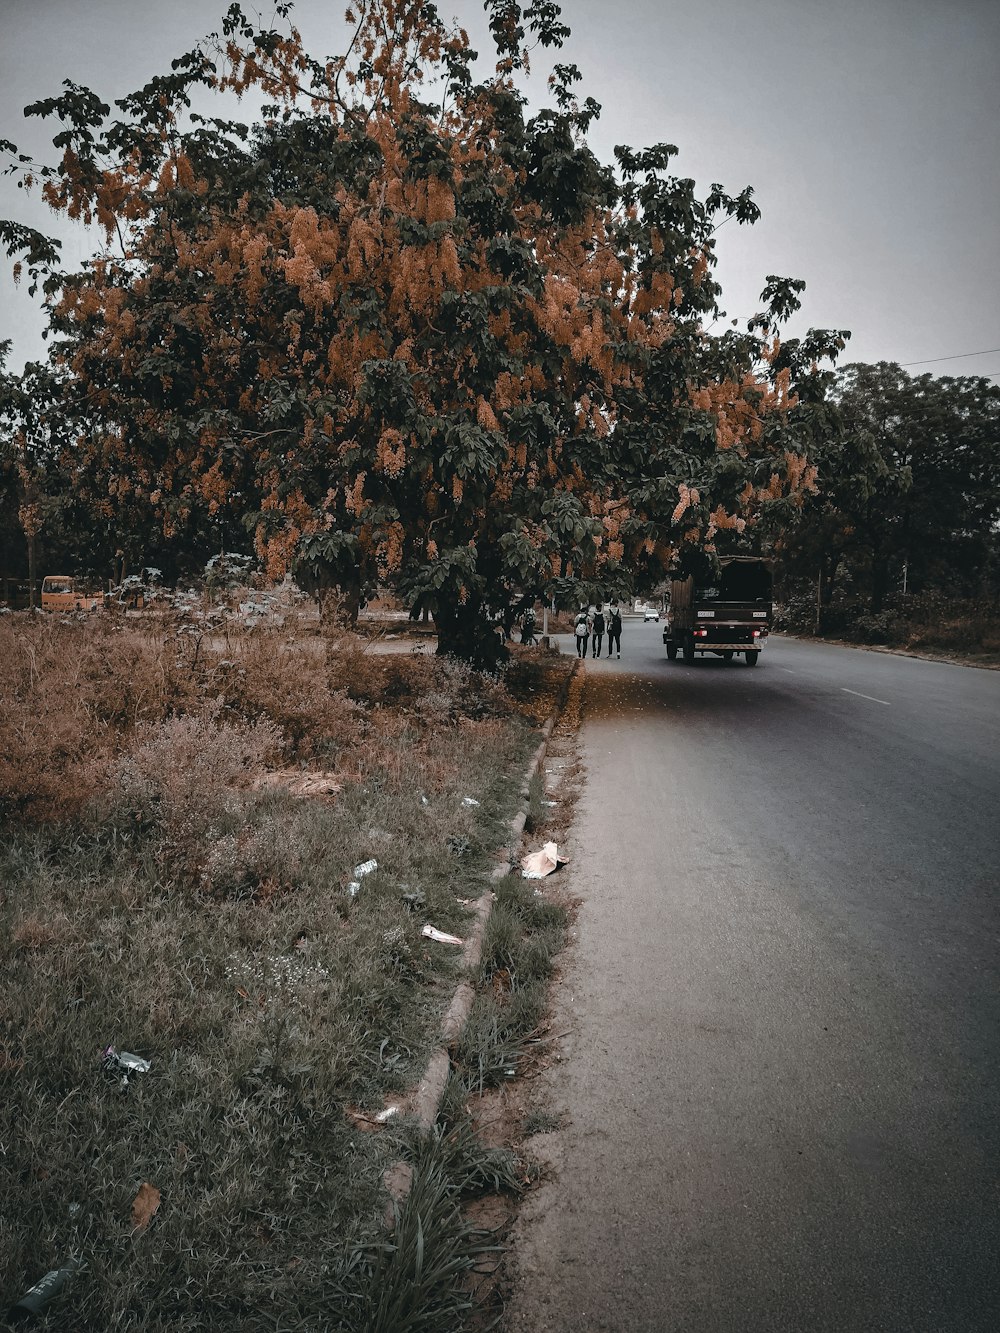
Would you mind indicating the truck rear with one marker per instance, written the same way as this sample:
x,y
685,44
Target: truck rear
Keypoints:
x,y
729,615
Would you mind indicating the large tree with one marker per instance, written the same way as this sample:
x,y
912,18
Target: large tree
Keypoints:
x,y
404,330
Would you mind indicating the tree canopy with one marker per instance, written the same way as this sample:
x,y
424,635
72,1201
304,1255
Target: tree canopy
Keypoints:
x,y
403,329
911,477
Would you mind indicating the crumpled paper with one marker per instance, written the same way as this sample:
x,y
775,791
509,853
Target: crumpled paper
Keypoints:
x,y
536,865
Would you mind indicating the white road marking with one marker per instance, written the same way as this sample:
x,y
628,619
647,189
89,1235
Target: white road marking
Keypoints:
x,y
790,671
870,697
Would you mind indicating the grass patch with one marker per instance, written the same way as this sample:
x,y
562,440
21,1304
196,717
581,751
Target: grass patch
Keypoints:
x,y
540,1122
417,1279
524,933
153,898
535,817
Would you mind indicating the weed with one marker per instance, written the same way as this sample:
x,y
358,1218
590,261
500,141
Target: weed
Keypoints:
x,y
416,1280
540,1122
473,1169
522,936
535,817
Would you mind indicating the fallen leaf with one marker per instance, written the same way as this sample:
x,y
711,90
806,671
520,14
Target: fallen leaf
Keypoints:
x,y
144,1205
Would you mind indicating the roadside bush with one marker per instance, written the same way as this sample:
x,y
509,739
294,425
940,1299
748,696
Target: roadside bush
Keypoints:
x,y
65,690
182,777
258,860
932,620
268,675
433,688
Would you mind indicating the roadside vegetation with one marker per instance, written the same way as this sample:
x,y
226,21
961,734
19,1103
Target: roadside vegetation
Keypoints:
x,y
899,544
164,893
932,623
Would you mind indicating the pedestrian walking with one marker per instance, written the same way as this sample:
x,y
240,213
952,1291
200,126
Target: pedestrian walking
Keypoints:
x,y
581,629
597,630
614,628
528,627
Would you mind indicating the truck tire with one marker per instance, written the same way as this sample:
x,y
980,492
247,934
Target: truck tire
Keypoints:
x,y
689,649
752,656
727,655
671,651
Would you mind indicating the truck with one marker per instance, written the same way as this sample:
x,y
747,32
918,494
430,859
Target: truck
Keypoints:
x,y
725,614
62,592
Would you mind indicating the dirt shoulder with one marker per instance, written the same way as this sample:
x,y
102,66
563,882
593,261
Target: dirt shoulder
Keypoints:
x,y
988,661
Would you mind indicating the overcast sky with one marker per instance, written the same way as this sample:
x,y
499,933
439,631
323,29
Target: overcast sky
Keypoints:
x,y
868,129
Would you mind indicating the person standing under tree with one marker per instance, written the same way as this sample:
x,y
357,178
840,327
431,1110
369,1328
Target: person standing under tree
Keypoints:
x,y
614,628
597,622
581,629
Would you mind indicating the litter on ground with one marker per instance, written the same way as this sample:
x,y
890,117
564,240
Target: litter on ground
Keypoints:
x,y
32,1304
123,1064
365,868
469,800
536,865
441,936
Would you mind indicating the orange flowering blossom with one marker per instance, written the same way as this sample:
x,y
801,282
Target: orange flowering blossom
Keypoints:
x,y
405,331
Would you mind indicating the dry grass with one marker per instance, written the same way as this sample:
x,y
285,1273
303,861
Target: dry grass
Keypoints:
x,y
75,697
154,897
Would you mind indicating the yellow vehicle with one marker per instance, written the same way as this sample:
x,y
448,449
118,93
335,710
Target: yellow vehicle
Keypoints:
x,y
60,592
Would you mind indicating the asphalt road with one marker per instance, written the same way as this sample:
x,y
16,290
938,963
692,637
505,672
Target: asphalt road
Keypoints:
x,y
780,1072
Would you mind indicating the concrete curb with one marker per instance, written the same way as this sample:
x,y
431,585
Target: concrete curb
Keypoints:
x,y
425,1101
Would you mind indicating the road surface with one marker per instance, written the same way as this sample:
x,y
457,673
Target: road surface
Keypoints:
x,y
780,1079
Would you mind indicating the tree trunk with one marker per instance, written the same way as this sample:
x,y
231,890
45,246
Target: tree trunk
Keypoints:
x,y
339,604
465,632
880,582
32,570
829,576
825,579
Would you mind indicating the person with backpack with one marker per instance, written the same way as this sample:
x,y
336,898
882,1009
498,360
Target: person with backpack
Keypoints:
x,y
581,629
597,625
614,627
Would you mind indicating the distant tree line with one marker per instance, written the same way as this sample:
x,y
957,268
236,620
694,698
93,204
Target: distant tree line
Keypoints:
x,y
907,511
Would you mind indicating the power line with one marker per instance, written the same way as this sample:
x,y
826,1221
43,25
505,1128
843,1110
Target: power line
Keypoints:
x,y
931,359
